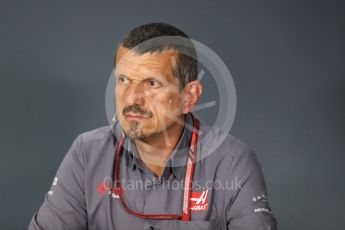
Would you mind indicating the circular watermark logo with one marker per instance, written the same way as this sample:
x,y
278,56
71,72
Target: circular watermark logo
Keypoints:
x,y
216,109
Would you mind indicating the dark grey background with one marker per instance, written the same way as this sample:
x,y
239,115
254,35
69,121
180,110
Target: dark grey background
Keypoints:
x,y
286,58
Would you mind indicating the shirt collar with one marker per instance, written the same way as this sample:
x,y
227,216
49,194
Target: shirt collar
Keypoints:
x,y
177,160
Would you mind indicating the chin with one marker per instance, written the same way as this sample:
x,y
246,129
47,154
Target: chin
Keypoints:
x,y
139,134
134,134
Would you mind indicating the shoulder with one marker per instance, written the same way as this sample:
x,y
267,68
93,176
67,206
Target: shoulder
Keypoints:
x,y
93,140
90,145
223,146
98,134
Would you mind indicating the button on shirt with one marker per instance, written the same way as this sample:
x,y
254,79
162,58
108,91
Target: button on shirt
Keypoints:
x,y
228,188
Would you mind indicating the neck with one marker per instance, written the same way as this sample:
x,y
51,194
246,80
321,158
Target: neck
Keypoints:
x,y
155,151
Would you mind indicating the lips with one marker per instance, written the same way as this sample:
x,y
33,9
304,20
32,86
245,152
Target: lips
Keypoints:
x,y
135,116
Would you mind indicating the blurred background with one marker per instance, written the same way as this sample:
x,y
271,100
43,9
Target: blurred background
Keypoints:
x,y
287,63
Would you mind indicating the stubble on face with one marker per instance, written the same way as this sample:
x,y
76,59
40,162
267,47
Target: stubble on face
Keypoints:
x,y
134,131
161,107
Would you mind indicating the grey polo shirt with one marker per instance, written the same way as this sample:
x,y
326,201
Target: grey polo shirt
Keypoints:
x,y
229,191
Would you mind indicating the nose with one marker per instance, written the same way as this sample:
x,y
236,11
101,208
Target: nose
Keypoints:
x,y
135,95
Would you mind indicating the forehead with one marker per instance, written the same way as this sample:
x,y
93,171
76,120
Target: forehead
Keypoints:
x,y
159,63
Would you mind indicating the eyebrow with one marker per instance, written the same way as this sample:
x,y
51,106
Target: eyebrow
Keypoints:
x,y
145,79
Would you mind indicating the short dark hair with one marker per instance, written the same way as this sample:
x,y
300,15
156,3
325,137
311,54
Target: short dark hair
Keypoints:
x,y
139,39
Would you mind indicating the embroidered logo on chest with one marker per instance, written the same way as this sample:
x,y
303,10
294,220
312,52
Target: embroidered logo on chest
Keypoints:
x,y
199,201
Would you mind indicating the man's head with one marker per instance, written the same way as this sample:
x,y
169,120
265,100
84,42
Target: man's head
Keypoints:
x,y
155,75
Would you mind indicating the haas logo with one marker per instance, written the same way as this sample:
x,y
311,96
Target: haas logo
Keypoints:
x,y
199,201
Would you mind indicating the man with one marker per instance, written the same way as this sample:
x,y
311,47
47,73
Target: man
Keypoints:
x,y
156,140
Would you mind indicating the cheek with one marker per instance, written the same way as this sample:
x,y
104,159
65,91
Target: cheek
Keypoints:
x,y
118,101
119,93
173,100
168,103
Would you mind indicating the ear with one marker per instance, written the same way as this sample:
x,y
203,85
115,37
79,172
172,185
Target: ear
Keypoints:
x,y
191,94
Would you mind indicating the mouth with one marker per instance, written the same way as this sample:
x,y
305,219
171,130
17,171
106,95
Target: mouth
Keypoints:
x,y
135,116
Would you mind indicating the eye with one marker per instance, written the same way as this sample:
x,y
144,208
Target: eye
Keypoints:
x,y
152,83
123,79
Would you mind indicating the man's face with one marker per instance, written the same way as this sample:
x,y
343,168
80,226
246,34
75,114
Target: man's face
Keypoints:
x,y
148,100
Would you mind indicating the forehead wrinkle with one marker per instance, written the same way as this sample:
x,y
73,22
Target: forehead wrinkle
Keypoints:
x,y
148,65
123,61
148,70
125,53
